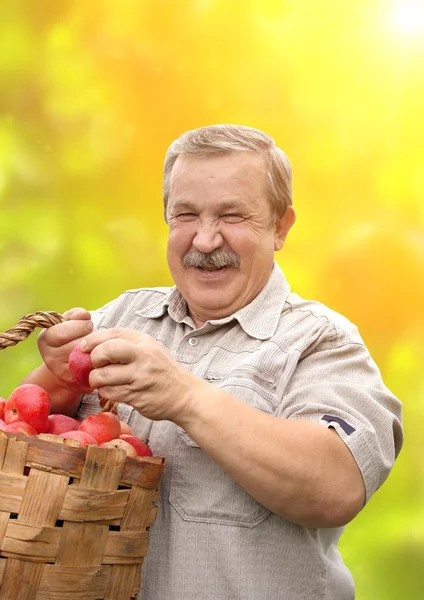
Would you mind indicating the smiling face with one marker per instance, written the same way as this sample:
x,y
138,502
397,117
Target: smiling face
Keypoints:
x,y
217,204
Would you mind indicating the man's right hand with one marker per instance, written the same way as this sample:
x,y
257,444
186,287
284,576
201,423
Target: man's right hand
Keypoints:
x,y
55,344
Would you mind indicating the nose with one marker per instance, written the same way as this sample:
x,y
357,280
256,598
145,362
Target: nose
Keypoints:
x,y
208,237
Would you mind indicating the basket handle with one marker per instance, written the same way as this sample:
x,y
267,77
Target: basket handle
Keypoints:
x,y
26,325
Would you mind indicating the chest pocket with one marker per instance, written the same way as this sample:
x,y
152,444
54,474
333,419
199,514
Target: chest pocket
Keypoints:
x,y
202,492
252,385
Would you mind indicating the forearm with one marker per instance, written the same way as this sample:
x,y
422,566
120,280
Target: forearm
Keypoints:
x,y
298,469
63,399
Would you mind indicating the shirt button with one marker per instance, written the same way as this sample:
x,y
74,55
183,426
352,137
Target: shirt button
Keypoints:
x,y
193,341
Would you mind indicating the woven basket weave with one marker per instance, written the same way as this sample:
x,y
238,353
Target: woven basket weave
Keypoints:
x,y
74,519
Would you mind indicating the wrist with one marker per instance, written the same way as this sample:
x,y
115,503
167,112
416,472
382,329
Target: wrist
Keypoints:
x,y
67,384
48,380
192,395
63,398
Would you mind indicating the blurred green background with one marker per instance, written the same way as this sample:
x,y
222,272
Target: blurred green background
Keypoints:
x,y
91,95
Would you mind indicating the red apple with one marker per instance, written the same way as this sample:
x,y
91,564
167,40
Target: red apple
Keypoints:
x,y
2,424
141,447
118,443
61,423
103,426
21,427
2,403
29,403
80,366
125,428
82,437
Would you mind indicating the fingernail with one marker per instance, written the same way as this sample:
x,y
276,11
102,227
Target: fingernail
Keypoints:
x,y
83,344
90,325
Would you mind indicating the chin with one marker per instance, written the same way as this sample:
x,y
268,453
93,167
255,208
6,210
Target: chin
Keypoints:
x,y
209,301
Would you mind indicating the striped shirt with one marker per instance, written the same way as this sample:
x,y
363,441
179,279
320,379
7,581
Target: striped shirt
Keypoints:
x,y
293,359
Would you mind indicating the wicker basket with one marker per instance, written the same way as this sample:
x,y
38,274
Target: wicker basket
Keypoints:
x,y
74,519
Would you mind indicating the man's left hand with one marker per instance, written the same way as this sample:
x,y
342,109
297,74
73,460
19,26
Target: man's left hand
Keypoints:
x,y
134,368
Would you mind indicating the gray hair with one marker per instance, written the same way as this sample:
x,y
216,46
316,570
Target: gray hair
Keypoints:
x,y
216,139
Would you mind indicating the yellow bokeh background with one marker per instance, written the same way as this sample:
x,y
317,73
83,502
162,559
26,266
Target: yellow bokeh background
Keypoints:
x,y
91,95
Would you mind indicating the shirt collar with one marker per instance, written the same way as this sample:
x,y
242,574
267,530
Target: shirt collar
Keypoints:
x,y
171,300
259,319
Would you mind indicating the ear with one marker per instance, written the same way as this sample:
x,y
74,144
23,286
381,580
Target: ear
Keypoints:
x,y
283,226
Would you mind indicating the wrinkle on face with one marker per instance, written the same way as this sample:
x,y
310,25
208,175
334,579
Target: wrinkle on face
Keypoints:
x,y
220,202
196,183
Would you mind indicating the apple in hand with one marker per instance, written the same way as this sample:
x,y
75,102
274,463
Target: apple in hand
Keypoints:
x,y
60,423
141,447
80,366
30,403
81,436
2,424
118,443
103,426
21,427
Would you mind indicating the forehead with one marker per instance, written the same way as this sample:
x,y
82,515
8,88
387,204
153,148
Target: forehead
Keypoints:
x,y
226,173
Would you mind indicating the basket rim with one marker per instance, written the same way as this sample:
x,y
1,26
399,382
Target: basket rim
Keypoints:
x,y
142,471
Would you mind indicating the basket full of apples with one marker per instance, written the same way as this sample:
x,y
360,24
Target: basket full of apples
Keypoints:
x,y
77,498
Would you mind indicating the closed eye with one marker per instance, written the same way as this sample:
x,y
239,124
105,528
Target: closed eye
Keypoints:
x,y
186,216
232,217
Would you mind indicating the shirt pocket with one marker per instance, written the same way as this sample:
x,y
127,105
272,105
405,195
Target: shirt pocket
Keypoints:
x,y
201,491
249,383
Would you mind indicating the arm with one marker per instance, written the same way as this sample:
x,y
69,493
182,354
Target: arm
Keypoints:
x,y
297,468
55,345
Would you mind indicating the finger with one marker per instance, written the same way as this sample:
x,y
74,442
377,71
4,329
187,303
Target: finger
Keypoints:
x,y
63,333
113,351
115,393
77,313
99,337
111,375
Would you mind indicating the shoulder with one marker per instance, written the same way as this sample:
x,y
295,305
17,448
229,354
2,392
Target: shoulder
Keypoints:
x,y
314,322
130,301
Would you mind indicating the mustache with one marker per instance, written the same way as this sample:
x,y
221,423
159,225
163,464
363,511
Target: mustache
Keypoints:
x,y
217,258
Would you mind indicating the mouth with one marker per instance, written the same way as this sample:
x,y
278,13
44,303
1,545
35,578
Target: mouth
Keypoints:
x,y
210,269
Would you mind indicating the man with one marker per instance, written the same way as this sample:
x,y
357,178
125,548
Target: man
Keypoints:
x,y
271,414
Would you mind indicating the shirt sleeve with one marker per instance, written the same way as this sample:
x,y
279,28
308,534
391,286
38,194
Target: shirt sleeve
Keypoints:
x,y
97,316
340,386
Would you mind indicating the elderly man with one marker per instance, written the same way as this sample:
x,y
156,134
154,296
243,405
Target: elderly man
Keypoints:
x,y
274,420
